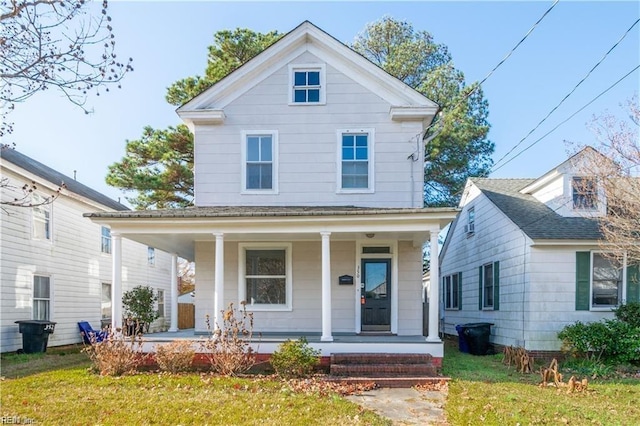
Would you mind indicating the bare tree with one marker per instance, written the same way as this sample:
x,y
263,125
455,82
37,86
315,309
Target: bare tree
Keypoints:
x,y
615,167
55,44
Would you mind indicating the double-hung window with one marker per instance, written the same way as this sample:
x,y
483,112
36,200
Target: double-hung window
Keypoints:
x,y
307,84
265,276
41,297
585,193
105,246
606,282
451,291
41,218
356,161
260,166
161,303
151,256
105,305
489,286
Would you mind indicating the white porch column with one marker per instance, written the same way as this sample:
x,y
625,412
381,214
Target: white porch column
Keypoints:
x,y
434,289
219,281
174,293
116,281
326,288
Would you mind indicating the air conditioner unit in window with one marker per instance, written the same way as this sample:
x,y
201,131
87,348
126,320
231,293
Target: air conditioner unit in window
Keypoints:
x,y
469,228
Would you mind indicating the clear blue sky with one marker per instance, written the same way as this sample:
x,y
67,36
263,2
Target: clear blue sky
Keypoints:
x,y
168,41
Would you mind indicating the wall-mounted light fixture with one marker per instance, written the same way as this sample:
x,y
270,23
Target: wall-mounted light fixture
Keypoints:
x,y
370,235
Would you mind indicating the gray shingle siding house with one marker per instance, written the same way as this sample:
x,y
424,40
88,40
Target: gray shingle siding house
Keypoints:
x,y
525,255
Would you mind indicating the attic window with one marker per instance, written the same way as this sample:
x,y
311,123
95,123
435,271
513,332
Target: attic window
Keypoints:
x,y
585,193
307,84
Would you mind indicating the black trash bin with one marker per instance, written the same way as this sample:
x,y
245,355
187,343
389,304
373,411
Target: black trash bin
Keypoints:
x,y
35,334
477,337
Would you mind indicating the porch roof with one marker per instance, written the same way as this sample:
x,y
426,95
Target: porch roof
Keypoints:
x,y
176,230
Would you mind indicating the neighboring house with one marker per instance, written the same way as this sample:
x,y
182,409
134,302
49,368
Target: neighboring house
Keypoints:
x,y
56,265
525,255
309,198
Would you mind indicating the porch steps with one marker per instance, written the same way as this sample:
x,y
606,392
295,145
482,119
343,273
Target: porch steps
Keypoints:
x,y
385,369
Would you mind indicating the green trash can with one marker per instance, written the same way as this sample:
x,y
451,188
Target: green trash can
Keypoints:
x,y
35,335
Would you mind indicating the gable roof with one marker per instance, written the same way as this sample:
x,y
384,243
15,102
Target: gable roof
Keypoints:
x,y
532,216
406,102
57,178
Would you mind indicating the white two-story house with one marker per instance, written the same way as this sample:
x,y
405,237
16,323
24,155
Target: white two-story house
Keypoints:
x,y
56,265
308,199
526,256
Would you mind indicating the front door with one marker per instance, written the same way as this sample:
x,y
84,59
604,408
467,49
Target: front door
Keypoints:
x,y
376,295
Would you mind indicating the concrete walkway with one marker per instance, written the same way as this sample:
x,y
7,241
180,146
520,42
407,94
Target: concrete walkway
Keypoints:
x,y
405,406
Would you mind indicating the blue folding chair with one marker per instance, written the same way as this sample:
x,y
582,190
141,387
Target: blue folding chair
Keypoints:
x,y
89,335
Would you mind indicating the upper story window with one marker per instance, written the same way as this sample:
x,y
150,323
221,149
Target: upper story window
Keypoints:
x,y
307,84
105,246
41,218
41,298
585,193
470,227
151,256
356,161
606,282
259,162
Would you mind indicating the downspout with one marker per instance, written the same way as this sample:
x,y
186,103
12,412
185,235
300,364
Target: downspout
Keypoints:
x,y
524,281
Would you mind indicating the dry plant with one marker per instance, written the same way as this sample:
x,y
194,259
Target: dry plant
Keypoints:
x,y
176,356
519,357
115,355
552,377
228,348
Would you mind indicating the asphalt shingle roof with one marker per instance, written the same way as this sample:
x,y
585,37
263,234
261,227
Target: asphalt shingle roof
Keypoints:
x,y
532,216
57,178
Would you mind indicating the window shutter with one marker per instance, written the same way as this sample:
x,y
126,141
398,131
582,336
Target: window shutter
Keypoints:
x,y
460,290
583,279
480,288
496,286
633,283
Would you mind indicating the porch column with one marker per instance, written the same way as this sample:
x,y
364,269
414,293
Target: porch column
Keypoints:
x,y
174,293
116,281
326,288
219,281
434,289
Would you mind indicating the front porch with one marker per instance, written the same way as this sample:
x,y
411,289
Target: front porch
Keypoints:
x,y
267,343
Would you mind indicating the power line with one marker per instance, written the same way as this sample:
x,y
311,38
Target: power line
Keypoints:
x,y
567,95
513,49
565,120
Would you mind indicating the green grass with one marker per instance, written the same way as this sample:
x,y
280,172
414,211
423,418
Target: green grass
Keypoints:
x,y
484,391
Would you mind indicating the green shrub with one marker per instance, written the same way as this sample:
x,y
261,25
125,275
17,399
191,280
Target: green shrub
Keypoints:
x,y
629,313
609,341
295,358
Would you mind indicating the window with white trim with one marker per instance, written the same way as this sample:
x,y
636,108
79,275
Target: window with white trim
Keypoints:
x,y
471,221
585,193
105,305
307,85
41,218
151,256
451,287
265,276
41,298
259,162
161,303
105,246
606,281
355,161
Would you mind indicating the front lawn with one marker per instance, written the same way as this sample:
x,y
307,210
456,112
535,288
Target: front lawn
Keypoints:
x,y
483,390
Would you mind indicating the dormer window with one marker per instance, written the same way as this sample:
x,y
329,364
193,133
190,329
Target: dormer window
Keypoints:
x,y
307,84
585,193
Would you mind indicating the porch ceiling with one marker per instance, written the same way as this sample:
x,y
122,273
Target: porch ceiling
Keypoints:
x,y
176,231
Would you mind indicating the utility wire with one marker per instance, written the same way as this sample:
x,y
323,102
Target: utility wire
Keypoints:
x,y
565,98
424,132
564,121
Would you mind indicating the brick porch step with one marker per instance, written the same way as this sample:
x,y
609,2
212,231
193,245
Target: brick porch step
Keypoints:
x,y
385,369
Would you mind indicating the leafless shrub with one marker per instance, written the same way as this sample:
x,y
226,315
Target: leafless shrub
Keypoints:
x,y
176,356
116,355
227,349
